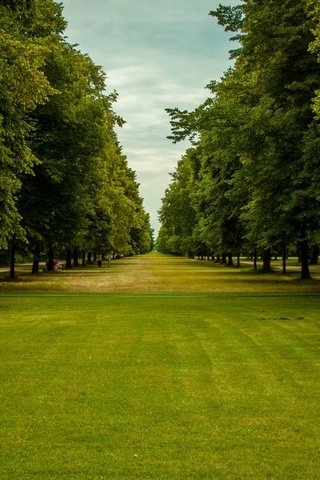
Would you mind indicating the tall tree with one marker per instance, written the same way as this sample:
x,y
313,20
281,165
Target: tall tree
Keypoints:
x,y
177,214
23,86
314,13
259,130
282,76
71,131
65,173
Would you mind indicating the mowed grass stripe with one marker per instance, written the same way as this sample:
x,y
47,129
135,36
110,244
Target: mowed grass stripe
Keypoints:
x,y
159,387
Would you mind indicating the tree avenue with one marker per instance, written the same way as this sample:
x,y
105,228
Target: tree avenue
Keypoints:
x,y
65,185
251,177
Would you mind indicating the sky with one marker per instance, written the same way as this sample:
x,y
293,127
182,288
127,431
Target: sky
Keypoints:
x,y
156,54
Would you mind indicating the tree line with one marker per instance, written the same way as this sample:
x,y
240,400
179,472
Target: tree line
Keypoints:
x,y
250,181
65,185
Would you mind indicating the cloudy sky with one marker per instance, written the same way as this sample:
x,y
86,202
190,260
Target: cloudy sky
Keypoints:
x,y
156,54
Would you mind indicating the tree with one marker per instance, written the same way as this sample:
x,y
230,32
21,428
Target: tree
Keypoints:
x,y
257,138
314,13
71,132
71,187
282,77
23,86
177,214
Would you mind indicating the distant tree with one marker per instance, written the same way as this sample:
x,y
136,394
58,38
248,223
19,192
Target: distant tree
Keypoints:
x,y
177,214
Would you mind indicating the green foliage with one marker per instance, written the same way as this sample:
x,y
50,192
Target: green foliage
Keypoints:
x,y
177,214
256,140
314,12
64,182
23,86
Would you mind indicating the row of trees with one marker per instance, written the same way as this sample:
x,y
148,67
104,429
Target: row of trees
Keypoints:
x,y
250,182
65,185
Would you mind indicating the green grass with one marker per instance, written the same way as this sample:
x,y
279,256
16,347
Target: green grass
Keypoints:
x,y
159,385
163,273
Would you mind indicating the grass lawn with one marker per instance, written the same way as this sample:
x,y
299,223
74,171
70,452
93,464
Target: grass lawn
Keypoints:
x,y
163,273
158,385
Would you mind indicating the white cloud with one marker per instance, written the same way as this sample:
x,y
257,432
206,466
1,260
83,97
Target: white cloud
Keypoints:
x,y
153,160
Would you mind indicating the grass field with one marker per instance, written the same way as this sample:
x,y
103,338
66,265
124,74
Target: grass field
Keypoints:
x,y
162,273
146,383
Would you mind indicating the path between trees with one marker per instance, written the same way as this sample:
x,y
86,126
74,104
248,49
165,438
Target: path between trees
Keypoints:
x,y
155,272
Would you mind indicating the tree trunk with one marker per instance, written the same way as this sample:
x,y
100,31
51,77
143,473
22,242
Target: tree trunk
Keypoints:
x,y
68,259
299,253
36,258
89,258
255,258
75,258
230,260
266,258
12,258
284,259
50,259
304,254
314,258
83,262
